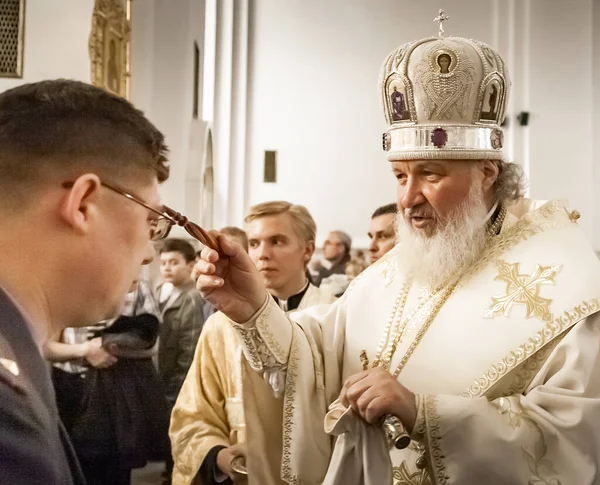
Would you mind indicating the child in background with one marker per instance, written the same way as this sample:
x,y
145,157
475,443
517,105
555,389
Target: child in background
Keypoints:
x,y
183,315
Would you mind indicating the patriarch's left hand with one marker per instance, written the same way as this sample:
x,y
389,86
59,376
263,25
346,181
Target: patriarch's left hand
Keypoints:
x,y
374,393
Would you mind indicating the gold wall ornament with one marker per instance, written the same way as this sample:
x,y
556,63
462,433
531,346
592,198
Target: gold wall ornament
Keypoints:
x,y
110,46
524,289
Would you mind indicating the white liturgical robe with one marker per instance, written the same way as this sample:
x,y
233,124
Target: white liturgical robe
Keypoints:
x,y
210,410
506,366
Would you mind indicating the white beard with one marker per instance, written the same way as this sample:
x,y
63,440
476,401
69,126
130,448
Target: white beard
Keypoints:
x,y
432,260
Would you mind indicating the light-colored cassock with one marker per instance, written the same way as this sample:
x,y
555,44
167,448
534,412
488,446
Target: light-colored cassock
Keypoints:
x,y
210,410
507,375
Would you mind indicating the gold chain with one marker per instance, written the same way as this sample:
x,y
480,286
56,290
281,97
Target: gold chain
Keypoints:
x,y
397,309
494,227
395,321
421,333
400,325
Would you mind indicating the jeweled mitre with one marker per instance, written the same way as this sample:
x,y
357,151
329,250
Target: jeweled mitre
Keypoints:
x,y
444,98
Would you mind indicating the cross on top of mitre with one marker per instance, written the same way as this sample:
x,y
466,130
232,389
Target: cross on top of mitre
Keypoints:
x,y
440,19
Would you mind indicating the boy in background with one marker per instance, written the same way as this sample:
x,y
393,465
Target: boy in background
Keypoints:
x,y
183,315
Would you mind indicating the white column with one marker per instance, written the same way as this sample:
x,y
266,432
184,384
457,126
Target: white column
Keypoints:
x,y
142,54
237,172
222,120
560,95
596,122
513,45
210,53
552,80
229,127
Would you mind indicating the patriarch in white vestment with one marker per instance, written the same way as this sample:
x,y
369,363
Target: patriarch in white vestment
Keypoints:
x,y
478,335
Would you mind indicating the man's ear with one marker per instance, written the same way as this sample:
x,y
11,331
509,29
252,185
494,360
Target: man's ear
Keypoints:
x,y
79,205
490,170
309,251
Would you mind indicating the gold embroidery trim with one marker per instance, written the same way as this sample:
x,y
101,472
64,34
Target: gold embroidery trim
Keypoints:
x,y
524,289
525,228
402,475
543,337
531,366
536,460
278,351
434,438
260,344
252,340
539,466
288,411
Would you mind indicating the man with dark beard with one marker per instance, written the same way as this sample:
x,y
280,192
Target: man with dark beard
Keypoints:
x,y
473,346
78,215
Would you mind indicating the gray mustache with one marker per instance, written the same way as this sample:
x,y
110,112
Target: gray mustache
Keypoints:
x,y
418,213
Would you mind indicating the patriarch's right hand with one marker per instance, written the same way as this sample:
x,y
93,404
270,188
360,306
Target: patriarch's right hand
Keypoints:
x,y
229,280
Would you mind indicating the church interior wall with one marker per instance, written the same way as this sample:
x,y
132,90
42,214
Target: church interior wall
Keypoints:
x,y
560,132
596,122
162,65
309,92
313,97
55,41
162,80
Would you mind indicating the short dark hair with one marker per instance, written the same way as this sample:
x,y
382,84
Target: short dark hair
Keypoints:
x,y
238,233
173,245
71,126
385,209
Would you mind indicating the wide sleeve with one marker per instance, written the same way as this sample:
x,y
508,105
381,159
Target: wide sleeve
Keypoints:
x,y
199,421
546,436
305,351
266,338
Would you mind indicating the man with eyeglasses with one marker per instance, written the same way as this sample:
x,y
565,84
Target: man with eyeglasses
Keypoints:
x,y
70,156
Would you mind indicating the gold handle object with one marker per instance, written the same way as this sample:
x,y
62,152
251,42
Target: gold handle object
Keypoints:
x,y
395,432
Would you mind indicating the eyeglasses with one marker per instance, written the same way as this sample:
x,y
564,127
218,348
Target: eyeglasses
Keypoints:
x,y
161,227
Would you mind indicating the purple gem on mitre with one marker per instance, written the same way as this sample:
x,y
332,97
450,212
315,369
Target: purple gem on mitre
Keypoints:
x,y
439,137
